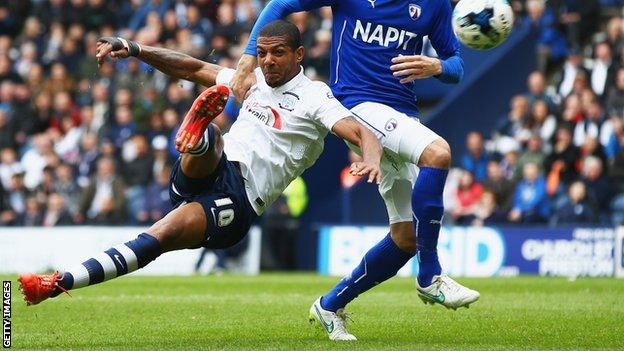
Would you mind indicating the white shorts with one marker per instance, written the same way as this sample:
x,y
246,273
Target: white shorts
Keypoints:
x,y
404,139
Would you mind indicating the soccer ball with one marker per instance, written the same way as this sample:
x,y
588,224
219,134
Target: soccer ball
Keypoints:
x,y
482,24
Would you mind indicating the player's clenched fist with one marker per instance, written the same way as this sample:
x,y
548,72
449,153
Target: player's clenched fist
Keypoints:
x,y
363,168
414,67
244,77
116,47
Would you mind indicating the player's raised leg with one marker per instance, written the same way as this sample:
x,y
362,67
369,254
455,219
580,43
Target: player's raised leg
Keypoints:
x,y
184,227
428,209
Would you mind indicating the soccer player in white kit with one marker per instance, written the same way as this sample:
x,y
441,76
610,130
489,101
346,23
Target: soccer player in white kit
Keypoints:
x,y
219,185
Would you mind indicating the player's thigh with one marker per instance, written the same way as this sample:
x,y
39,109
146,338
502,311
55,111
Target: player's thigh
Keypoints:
x,y
182,228
223,199
398,133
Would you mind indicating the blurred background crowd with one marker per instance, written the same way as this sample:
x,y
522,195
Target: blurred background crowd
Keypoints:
x,y
86,145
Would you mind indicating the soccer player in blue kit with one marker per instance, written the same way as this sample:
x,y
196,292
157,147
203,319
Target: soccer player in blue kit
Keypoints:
x,y
375,59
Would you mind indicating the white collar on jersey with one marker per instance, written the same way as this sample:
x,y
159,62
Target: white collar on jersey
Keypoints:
x,y
291,83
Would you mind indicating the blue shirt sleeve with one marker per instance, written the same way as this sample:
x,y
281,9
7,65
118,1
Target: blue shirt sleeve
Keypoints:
x,y
446,45
278,9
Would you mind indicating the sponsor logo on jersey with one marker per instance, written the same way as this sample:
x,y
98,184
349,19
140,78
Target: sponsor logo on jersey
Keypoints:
x,y
265,114
391,124
383,35
414,11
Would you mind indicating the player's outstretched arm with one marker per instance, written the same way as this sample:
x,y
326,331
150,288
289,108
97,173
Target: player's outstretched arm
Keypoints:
x,y
350,130
171,63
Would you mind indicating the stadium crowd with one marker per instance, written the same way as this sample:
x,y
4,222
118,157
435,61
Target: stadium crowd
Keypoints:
x,y
557,156
86,145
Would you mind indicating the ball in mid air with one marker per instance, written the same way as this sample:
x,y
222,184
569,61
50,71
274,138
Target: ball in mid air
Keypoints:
x,y
482,24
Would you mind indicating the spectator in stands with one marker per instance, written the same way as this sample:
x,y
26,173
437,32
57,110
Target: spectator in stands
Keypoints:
x,y
616,141
591,126
7,215
541,122
533,153
89,155
475,161
603,70
615,99
536,84
616,176
577,207
513,123
560,165
103,200
577,17
9,165
571,68
35,159
598,186
124,126
467,195
551,43
157,203
7,132
32,215
67,187
530,204
501,187
137,172
615,37
46,187
487,211
56,212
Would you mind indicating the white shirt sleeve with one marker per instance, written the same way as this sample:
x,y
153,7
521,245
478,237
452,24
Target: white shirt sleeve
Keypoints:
x,y
325,108
224,77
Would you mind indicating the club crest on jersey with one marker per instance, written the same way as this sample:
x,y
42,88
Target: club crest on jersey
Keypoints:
x,y
391,124
414,11
288,101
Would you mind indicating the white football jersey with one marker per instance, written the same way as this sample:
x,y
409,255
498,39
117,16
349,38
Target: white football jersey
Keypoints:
x,y
279,133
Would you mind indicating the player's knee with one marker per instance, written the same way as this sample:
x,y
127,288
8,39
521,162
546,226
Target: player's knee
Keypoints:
x,y
167,231
403,236
437,154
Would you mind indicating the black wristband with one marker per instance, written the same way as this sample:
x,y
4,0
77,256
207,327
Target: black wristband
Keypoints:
x,y
120,43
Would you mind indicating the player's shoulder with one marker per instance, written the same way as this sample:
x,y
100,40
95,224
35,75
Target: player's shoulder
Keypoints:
x,y
316,87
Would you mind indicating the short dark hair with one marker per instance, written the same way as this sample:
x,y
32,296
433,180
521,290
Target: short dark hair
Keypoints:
x,y
283,29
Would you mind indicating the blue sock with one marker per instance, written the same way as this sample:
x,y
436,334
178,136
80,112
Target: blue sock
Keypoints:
x,y
380,263
428,210
112,263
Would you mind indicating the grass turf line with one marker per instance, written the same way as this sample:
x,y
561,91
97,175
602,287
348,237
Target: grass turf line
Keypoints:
x,y
269,312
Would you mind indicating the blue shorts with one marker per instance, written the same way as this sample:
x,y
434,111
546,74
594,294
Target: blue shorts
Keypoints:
x,y
222,195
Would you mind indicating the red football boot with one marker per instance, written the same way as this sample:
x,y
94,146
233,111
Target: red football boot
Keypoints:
x,y
206,107
38,287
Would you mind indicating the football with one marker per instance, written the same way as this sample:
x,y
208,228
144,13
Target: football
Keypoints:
x,y
482,24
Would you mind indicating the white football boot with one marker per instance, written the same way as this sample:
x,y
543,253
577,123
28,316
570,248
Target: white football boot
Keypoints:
x,y
447,292
333,323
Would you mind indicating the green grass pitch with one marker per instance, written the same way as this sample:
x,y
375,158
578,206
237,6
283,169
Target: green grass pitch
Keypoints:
x,y
269,312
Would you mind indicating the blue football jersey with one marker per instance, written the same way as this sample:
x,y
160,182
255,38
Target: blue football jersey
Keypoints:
x,y
367,34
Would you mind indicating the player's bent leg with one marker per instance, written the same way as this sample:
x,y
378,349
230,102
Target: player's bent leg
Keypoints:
x,y
202,161
182,228
428,209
